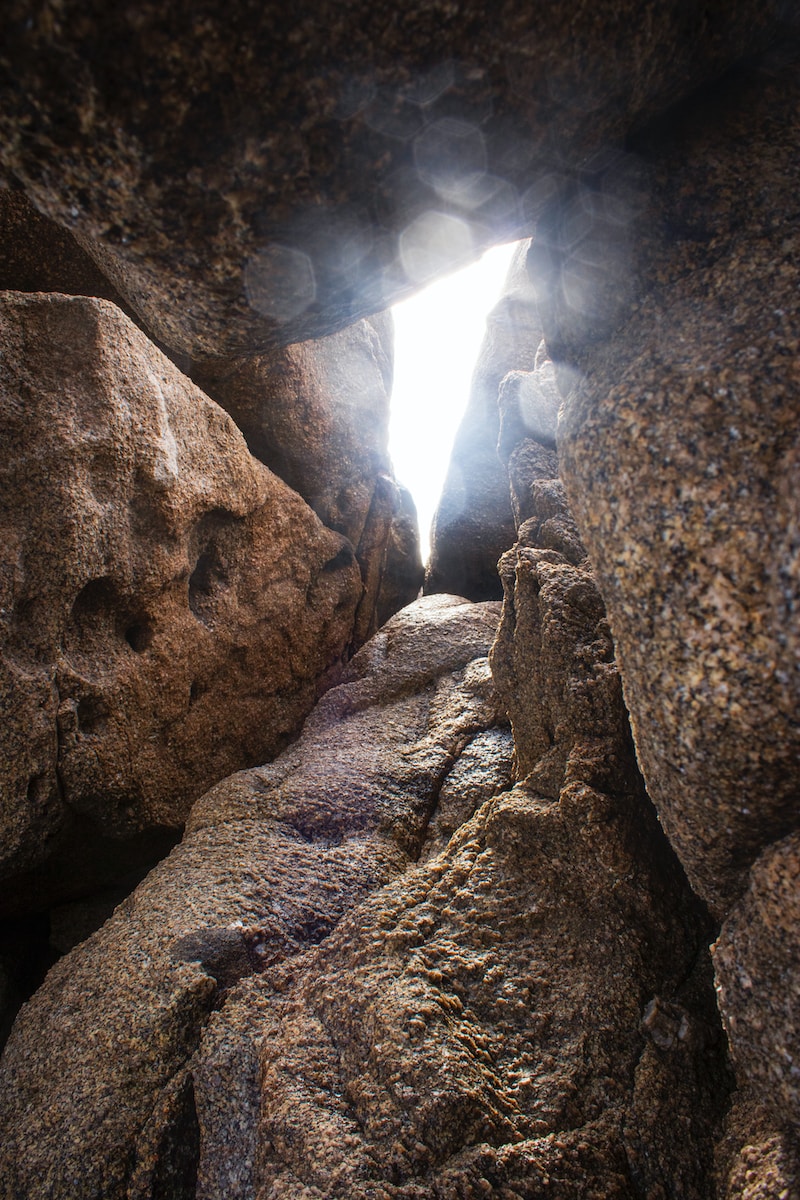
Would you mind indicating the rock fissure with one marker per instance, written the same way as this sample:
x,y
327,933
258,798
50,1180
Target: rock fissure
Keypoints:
x,y
428,932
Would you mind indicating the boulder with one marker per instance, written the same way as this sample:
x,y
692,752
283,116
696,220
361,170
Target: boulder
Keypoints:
x,y
36,255
757,966
473,524
246,176
528,1011
680,451
403,572
318,415
132,1045
289,1006
168,607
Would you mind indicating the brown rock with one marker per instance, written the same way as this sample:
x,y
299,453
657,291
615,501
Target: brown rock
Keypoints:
x,y
101,1095
168,605
680,452
36,255
249,174
474,1028
318,415
757,965
554,667
474,524
757,1158
403,572
523,1013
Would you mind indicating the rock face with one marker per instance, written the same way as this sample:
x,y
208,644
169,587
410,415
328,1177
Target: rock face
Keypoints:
x,y
681,453
399,961
109,1069
757,964
522,1010
152,572
247,175
318,415
672,303
36,255
513,1013
474,524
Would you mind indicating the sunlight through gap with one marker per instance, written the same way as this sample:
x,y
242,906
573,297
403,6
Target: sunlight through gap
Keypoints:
x,y
438,335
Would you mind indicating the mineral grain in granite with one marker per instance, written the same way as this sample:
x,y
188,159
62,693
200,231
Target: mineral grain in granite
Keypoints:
x,y
109,1085
167,604
246,174
757,966
680,450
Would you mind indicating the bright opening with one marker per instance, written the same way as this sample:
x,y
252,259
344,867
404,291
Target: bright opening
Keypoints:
x,y
438,334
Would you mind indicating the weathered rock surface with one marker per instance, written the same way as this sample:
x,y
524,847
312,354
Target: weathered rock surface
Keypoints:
x,y
473,524
99,1082
528,1011
318,415
36,255
168,605
245,174
757,965
680,451
403,571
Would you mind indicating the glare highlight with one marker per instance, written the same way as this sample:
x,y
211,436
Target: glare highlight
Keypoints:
x,y
438,335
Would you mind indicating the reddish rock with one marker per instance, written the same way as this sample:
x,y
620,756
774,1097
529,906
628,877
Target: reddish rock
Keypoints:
x,y
168,605
757,965
318,415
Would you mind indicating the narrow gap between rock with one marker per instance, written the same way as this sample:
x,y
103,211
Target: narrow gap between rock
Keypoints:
x,y
438,334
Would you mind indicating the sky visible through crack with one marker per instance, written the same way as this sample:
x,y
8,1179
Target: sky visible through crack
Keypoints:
x,y
438,333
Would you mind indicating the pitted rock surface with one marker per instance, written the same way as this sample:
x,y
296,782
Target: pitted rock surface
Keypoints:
x,y
168,605
316,414
529,1010
475,1028
246,175
95,1099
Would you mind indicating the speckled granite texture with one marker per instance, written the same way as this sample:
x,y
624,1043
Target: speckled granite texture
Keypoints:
x,y
681,454
757,966
95,1096
680,450
168,606
248,172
